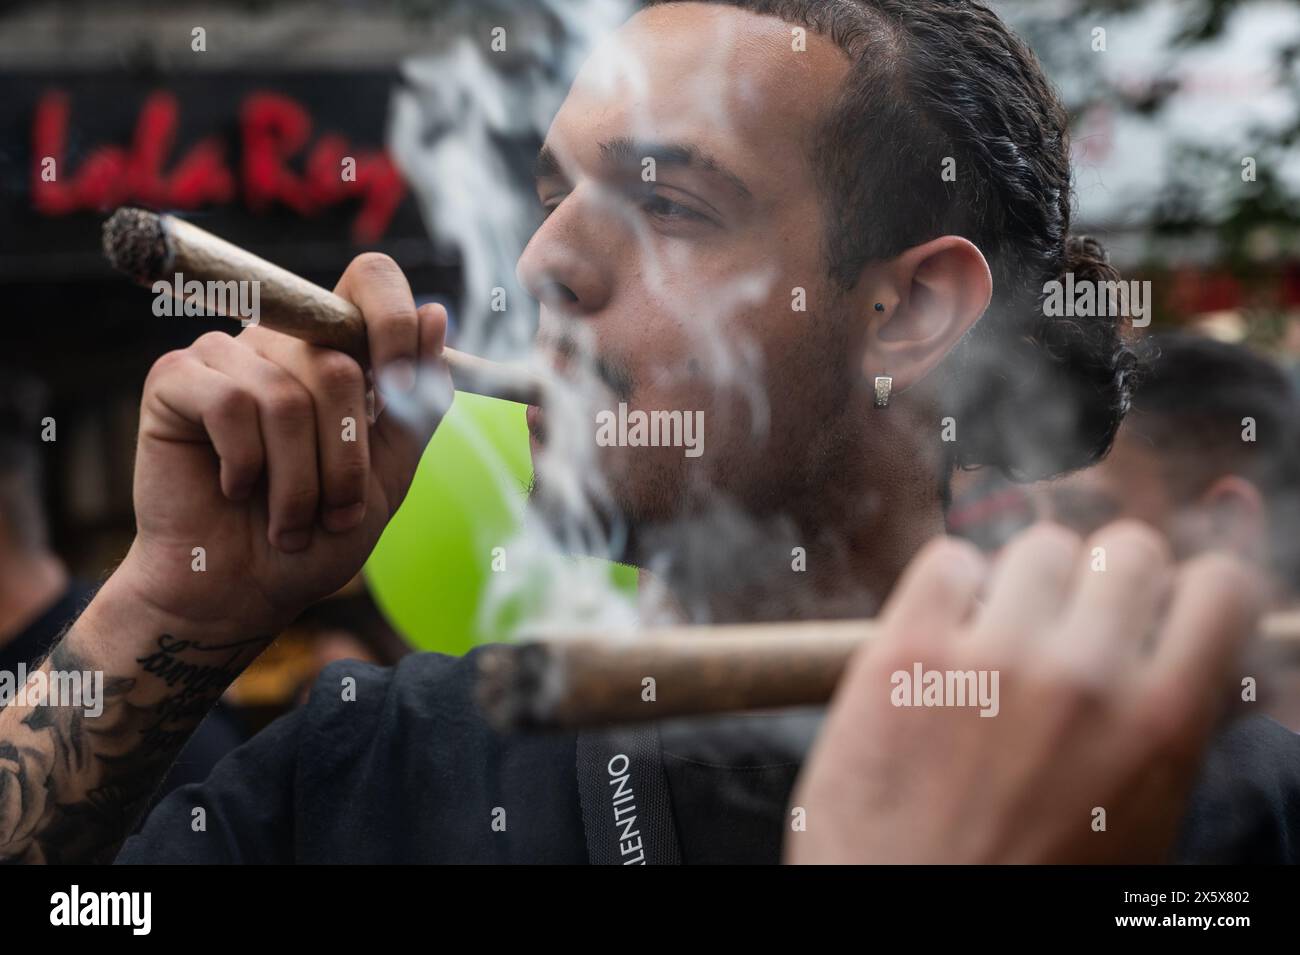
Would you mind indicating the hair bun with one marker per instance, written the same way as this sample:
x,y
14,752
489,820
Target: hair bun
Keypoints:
x,y
1050,399
1086,257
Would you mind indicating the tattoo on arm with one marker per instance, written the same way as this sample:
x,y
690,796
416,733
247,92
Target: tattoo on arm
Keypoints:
x,y
73,786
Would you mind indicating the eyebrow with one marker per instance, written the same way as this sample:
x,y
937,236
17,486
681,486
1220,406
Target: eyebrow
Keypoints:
x,y
627,153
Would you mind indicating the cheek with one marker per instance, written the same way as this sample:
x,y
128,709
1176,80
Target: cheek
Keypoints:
x,y
697,339
804,367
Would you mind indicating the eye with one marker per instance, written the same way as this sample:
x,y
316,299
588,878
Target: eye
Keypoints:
x,y
664,208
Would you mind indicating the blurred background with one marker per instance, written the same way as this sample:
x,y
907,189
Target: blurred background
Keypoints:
x,y
1186,115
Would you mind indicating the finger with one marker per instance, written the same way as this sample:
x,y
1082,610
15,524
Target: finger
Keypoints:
x,y
209,402
288,426
1030,585
337,386
375,285
408,422
1121,584
936,595
433,335
1214,610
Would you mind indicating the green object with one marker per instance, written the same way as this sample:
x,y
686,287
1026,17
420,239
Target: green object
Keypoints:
x,y
431,569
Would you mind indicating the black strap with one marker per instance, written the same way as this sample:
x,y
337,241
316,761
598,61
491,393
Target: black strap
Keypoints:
x,y
626,808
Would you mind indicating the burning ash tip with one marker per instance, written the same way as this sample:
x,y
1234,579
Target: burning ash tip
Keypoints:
x,y
510,684
135,242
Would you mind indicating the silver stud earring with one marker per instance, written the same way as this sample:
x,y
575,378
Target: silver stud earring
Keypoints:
x,y
884,384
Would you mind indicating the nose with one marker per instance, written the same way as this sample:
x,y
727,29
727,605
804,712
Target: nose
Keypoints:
x,y
567,265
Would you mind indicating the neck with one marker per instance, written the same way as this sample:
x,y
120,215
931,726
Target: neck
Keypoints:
x,y
834,551
29,584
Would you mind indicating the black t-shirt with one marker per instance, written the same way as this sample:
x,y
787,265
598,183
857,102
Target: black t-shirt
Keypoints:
x,y
407,771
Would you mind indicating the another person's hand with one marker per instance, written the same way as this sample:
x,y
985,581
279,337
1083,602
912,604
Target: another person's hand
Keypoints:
x,y
257,449
1109,685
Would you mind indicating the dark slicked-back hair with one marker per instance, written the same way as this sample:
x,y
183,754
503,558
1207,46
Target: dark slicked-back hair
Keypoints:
x,y
933,81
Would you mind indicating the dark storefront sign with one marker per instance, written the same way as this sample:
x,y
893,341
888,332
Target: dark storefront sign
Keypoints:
x,y
274,131
290,164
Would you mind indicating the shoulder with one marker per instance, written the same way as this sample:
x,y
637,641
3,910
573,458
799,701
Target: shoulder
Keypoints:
x,y
355,699
355,707
1245,807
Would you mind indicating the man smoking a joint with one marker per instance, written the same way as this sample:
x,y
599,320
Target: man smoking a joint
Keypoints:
x,y
924,295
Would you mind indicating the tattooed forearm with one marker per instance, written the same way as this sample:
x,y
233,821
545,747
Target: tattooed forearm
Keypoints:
x,y
73,785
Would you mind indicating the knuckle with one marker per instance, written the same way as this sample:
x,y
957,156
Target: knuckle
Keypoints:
x,y
242,460
339,374
1066,686
233,403
942,554
169,364
1223,569
297,502
209,343
347,476
393,328
289,402
1134,541
875,667
1048,537
397,318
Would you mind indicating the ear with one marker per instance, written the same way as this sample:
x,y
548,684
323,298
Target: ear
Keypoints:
x,y
932,294
1235,517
